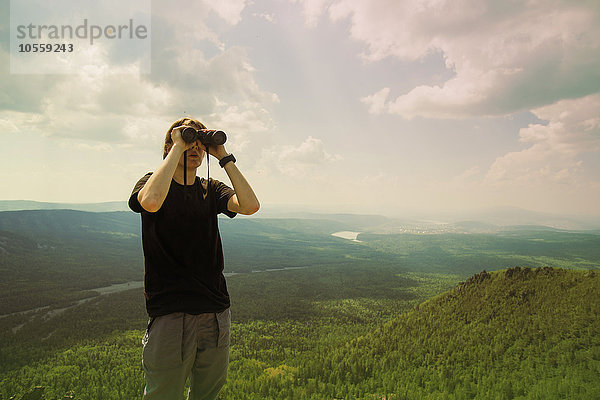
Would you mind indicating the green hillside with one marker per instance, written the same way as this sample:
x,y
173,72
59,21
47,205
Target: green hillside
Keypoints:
x,y
518,333
338,324
514,334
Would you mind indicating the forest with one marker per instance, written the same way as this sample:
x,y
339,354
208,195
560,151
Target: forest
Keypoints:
x,y
394,316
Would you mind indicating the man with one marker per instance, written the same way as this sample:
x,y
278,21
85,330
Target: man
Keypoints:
x,y
186,293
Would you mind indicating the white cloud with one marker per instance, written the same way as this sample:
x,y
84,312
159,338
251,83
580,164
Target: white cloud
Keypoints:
x,y
101,147
8,124
466,177
376,101
95,106
240,119
297,161
506,56
230,10
182,22
269,17
313,9
554,152
110,101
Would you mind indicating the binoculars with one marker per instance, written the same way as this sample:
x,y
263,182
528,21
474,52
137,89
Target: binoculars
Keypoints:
x,y
208,137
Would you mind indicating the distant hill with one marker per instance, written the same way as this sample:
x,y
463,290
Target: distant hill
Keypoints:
x,y
513,216
483,227
475,227
517,333
16,205
354,221
59,223
490,220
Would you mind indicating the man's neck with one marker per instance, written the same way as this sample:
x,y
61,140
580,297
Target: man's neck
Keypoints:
x,y
191,175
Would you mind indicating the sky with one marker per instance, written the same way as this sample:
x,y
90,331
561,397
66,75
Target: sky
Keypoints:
x,y
387,107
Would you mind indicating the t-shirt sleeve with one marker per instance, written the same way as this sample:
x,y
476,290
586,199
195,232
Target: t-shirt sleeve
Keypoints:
x,y
222,194
134,203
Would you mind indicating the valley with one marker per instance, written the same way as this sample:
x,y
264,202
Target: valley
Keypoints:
x,y
315,316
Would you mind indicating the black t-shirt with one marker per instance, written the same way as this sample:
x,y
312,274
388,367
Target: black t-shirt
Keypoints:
x,y
183,255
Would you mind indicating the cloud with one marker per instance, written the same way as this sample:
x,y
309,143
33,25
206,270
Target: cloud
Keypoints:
x,y
507,56
236,118
230,10
312,10
93,105
376,101
173,25
191,15
297,161
269,17
466,177
555,150
108,98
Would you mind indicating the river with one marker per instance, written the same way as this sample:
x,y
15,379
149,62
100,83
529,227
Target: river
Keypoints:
x,y
116,288
347,235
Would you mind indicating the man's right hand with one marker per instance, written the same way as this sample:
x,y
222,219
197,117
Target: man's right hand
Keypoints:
x,y
178,139
154,192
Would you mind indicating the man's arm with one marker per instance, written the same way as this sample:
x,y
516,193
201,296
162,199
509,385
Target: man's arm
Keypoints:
x,y
244,201
154,192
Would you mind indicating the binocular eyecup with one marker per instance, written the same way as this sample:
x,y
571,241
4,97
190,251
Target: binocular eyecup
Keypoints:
x,y
208,137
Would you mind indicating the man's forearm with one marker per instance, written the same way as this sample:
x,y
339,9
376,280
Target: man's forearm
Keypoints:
x,y
248,202
154,192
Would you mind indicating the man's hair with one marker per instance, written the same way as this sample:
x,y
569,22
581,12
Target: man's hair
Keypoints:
x,y
183,121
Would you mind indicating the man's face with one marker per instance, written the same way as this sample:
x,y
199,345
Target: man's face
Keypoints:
x,y
194,155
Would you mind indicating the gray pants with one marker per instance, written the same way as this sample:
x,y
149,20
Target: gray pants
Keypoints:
x,y
179,345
